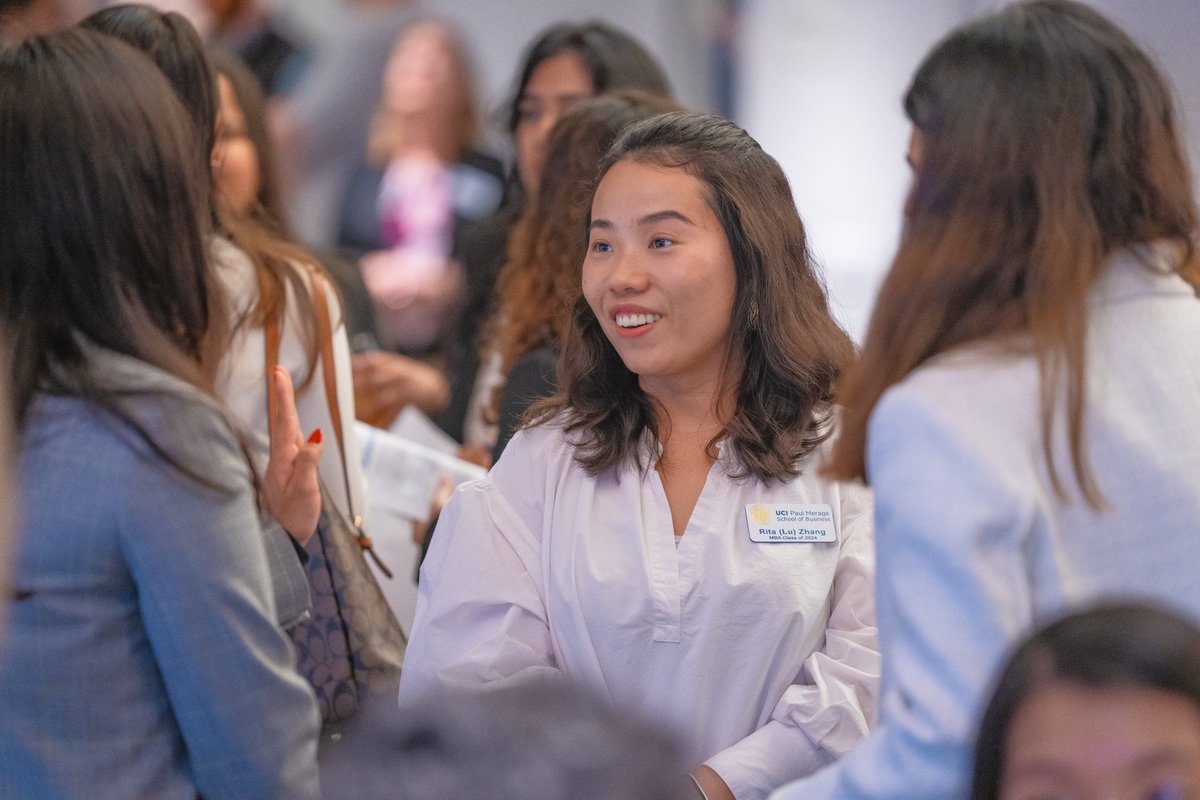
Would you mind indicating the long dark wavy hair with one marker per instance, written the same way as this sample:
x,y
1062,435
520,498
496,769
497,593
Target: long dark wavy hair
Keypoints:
x,y
1113,644
786,351
1049,142
104,218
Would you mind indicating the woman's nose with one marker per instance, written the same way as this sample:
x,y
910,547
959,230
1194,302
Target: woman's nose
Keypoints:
x,y
629,273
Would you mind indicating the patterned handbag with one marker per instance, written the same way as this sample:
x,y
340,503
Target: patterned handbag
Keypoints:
x,y
352,648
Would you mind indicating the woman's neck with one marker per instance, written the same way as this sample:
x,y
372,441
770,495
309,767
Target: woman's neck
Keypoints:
x,y
692,417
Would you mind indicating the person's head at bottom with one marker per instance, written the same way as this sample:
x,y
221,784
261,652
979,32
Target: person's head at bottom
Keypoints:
x,y
531,742
1104,703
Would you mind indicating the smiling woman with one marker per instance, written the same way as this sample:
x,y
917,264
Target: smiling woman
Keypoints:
x,y
659,277
640,538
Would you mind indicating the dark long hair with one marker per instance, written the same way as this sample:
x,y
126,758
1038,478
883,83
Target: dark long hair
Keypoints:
x,y
103,218
1049,142
1115,644
786,352
613,59
173,44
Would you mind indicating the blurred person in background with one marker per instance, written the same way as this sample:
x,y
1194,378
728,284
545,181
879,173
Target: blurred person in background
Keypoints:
x,y
142,656
247,182
322,122
265,280
420,179
1025,403
272,52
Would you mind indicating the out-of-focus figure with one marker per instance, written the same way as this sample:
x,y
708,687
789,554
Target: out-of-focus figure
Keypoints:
x,y
271,51
539,742
566,64
537,289
322,123
421,178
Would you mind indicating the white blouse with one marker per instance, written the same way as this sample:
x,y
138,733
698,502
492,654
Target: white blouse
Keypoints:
x,y
762,655
242,381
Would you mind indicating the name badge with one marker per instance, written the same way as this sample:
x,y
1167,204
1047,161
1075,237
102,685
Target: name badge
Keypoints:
x,y
790,522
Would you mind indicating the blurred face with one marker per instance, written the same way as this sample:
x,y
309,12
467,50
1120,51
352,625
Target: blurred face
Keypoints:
x,y
1073,742
235,160
659,277
224,11
423,72
554,86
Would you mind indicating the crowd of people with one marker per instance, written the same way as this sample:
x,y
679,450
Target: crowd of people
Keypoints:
x,y
720,552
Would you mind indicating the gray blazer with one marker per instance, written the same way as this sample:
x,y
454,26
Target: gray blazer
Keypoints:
x,y
144,659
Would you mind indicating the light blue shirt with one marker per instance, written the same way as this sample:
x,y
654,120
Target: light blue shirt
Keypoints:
x,y
975,548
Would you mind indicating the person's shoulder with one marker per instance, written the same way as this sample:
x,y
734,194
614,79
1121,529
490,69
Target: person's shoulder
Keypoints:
x,y
966,381
544,443
188,424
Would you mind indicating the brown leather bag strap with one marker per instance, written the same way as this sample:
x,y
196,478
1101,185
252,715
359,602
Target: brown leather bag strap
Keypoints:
x,y
324,330
325,343
271,339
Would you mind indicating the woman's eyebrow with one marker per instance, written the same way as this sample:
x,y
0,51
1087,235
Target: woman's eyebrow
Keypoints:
x,y
661,216
649,219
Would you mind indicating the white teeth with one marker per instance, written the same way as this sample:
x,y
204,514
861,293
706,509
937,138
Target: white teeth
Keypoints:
x,y
635,320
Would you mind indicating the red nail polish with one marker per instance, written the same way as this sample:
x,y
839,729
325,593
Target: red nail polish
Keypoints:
x,y
315,438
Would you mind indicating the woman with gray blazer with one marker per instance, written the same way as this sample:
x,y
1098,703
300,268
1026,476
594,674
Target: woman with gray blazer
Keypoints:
x,y
141,656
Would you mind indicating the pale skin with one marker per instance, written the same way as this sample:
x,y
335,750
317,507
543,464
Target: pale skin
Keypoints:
x,y
234,160
659,276
1118,742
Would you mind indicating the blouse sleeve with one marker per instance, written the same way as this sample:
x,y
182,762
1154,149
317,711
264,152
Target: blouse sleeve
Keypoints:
x,y
829,708
952,592
248,720
480,619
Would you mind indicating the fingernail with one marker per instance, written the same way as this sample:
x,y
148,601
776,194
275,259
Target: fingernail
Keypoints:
x,y
315,438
